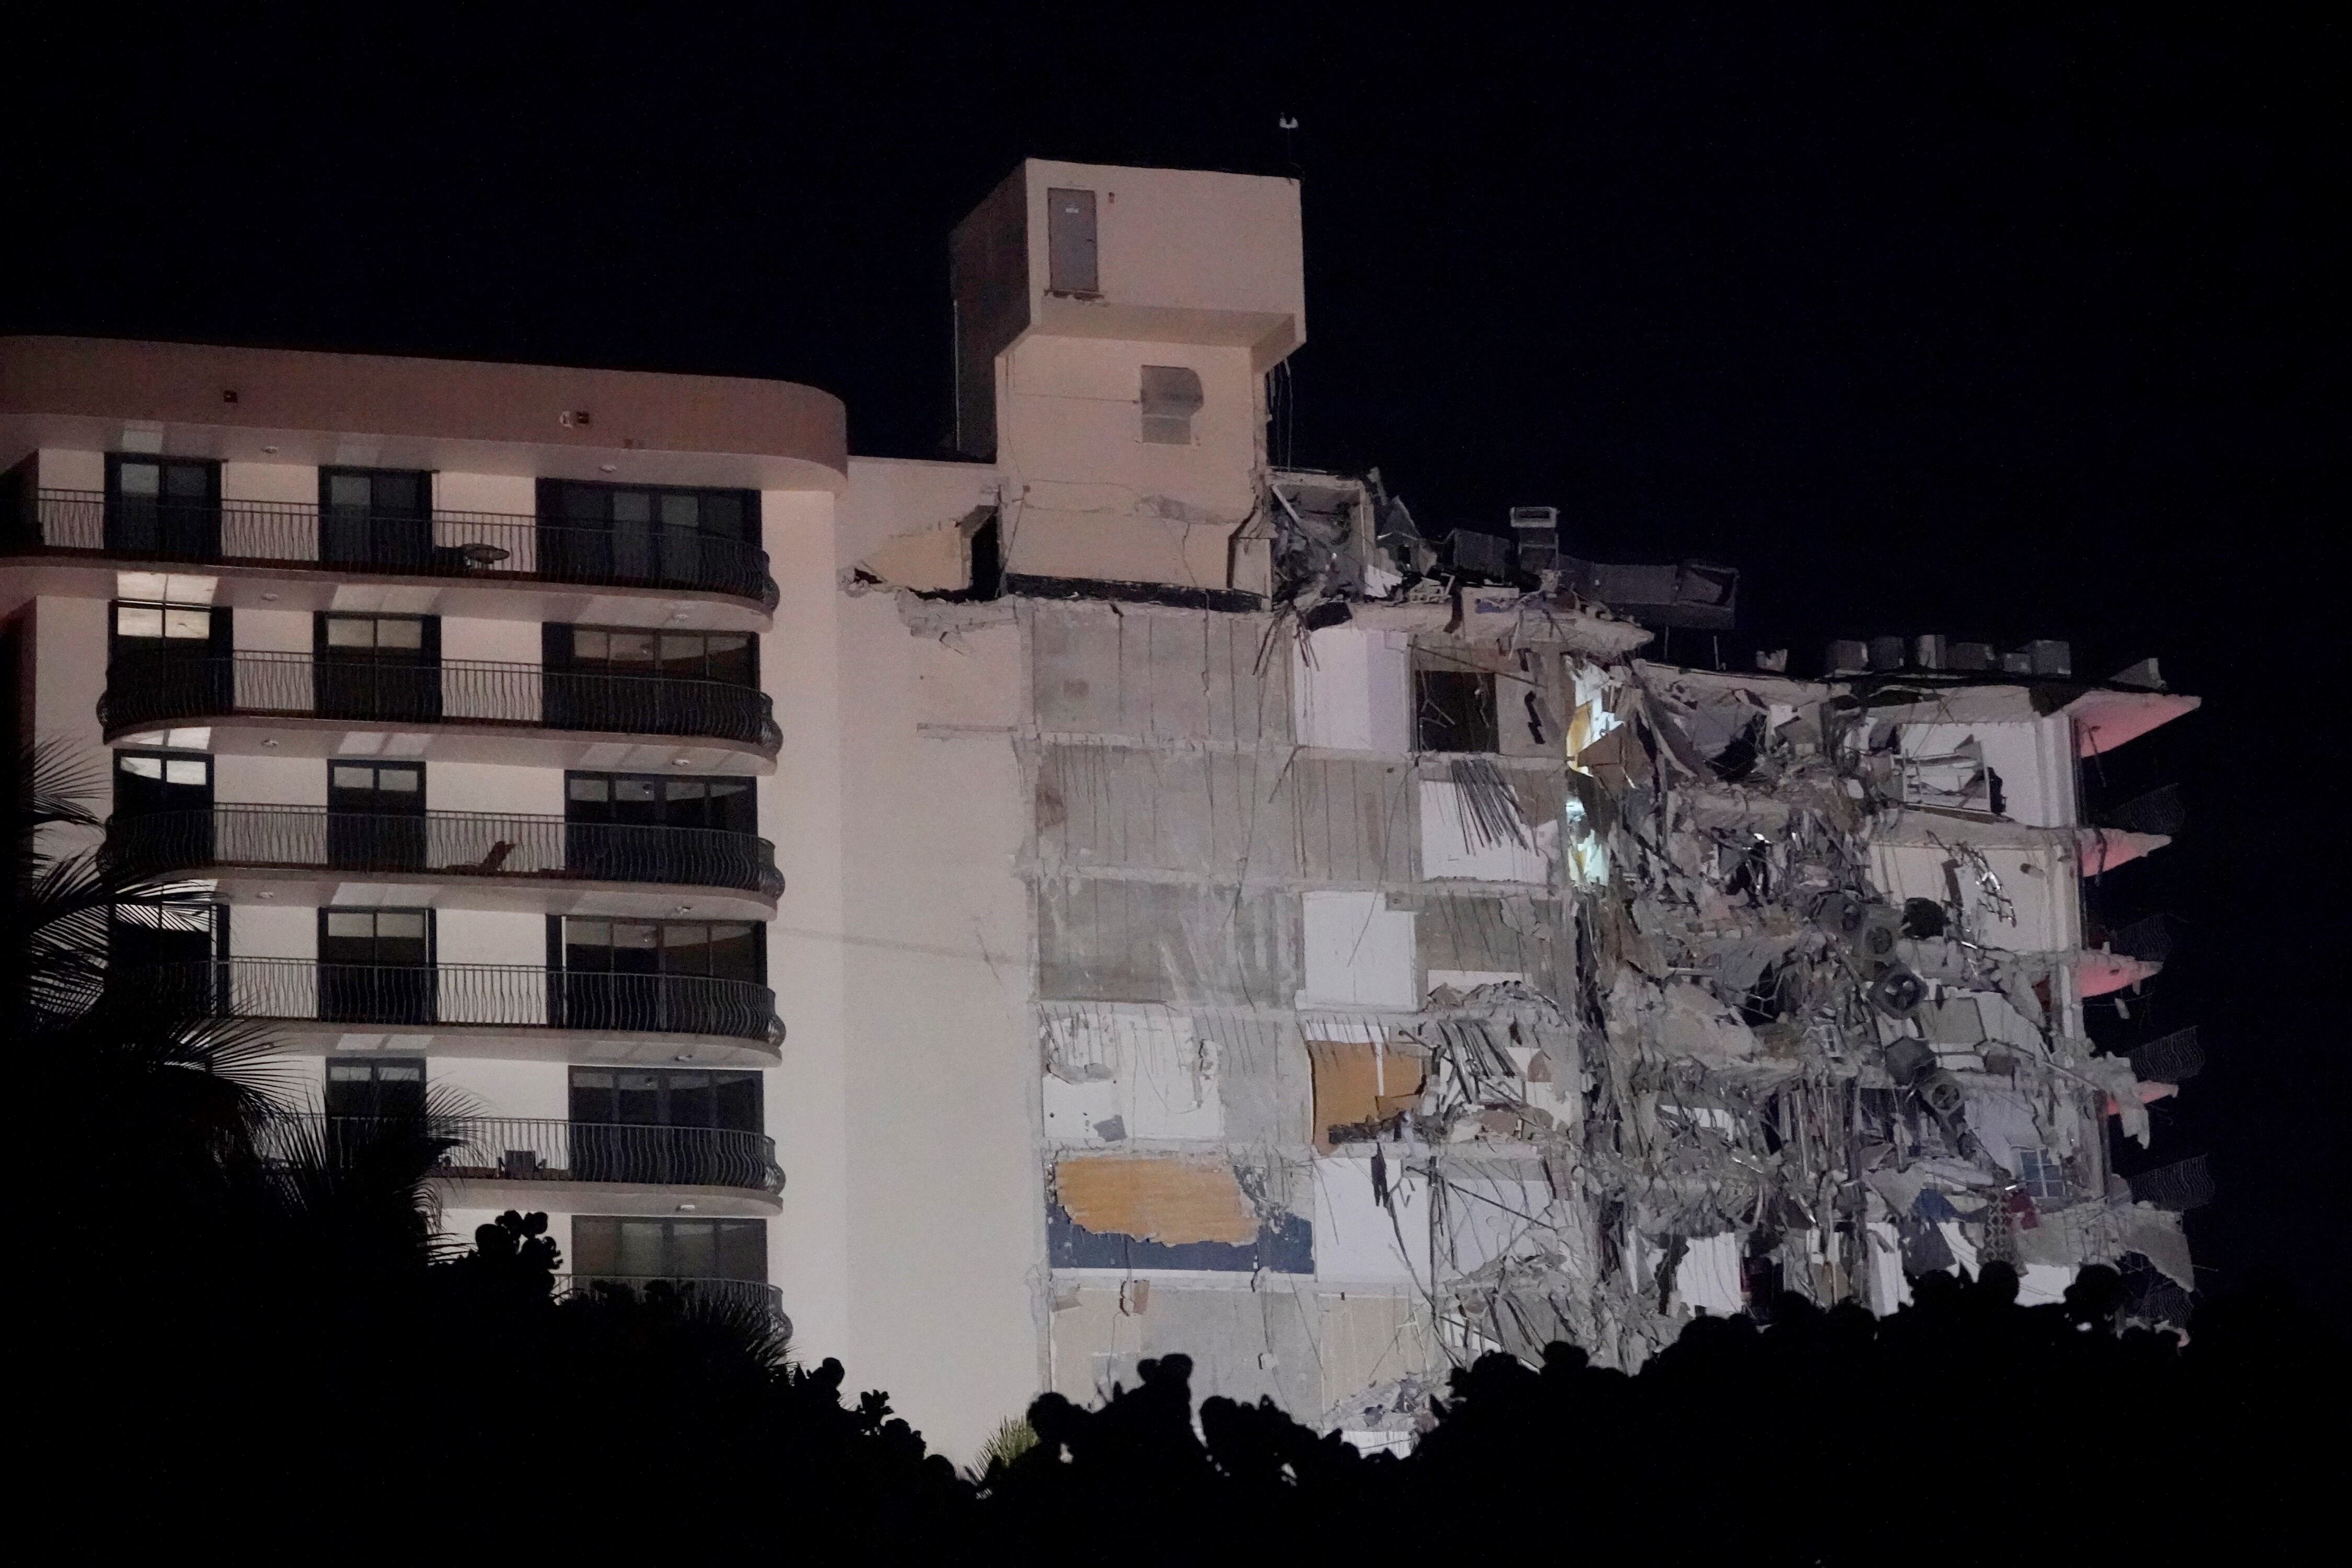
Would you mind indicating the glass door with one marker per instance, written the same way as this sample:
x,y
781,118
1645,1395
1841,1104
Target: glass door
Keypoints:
x,y
379,668
166,507
163,810
381,518
375,966
375,816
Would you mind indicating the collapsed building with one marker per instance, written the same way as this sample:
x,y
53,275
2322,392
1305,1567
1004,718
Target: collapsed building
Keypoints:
x,y
1420,969
1418,966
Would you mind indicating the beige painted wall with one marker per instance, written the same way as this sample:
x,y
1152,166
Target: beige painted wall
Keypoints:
x,y
297,482
503,642
911,1240
66,469
514,495
493,786
270,781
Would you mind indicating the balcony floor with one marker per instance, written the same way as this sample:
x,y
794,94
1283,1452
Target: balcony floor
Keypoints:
x,y
509,1042
604,1197
295,735
320,887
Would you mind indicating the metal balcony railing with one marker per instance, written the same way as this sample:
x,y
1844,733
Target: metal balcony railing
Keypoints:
x,y
490,545
508,995
541,1149
755,1295
442,843
144,688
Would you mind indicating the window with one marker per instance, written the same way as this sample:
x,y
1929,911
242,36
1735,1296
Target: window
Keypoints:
x,y
721,950
1172,395
147,784
728,656
375,816
1454,710
363,636
618,1248
389,1087
376,966
656,800
162,506
1070,242
375,517
180,630
646,533
383,668
665,1096
2042,1173
375,936
168,954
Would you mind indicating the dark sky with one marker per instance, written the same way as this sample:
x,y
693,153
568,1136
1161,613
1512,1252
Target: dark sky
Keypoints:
x,y
1997,325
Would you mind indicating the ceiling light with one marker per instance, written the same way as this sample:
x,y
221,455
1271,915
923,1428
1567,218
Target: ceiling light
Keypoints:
x,y
607,467
686,1208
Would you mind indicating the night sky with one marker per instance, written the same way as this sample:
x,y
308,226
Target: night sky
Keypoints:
x,y
1993,326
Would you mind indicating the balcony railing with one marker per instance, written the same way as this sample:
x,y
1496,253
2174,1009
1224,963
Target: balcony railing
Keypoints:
x,y
489,545
444,844
160,689
505,995
742,1295
541,1149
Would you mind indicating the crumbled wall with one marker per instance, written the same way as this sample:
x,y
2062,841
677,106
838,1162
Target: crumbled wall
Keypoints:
x,y
1698,988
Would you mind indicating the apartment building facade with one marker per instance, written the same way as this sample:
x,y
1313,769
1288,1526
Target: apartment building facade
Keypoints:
x,y
1100,896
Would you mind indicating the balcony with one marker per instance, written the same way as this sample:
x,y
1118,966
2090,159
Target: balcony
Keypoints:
x,y
543,1149
730,1295
508,851
148,690
488,1000
471,546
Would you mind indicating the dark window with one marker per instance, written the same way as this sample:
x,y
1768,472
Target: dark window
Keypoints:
x,y
167,507
376,966
685,976
378,667
1172,395
660,800
1070,242
666,1097
169,660
375,816
162,811
616,1249
387,1087
376,517
728,656
645,827
642,534
1454,710
169,954
174,631
719,950
149,783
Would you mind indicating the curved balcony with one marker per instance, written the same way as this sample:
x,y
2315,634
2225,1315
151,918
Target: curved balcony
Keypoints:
x,y
153,690
544,1149
738,1295
502,847
473,545
464,996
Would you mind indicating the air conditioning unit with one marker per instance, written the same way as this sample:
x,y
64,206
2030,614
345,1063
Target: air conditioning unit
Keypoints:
x,y
1931,652
1537,528
1909,1060
1974,656
1897,992
1848,656
1887,653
